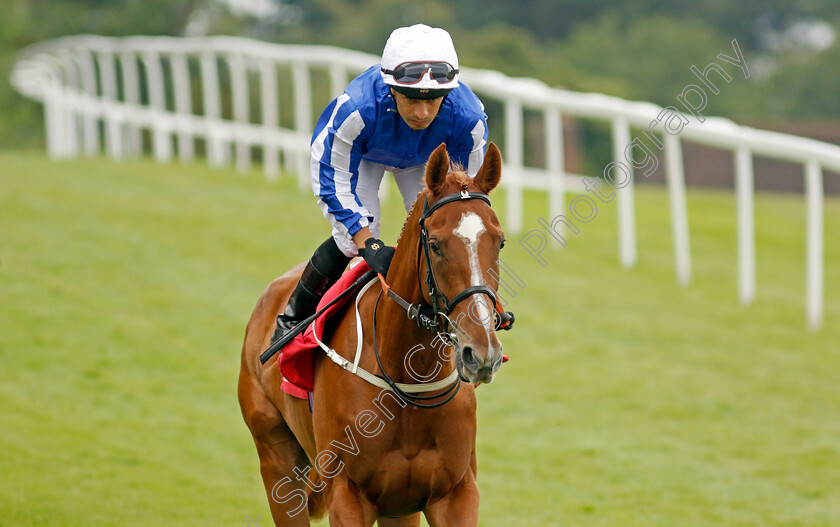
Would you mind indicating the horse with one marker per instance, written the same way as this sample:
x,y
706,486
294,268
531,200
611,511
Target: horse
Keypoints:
x,y
371,448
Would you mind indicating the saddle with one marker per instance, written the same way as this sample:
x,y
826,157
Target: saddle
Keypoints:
x,y
295,359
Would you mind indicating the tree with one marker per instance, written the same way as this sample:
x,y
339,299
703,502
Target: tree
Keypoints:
x,y
805,85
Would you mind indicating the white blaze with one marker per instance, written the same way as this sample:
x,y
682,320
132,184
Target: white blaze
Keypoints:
x,y
469,229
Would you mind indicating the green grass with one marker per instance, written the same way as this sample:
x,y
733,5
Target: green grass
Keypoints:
x,y
629,401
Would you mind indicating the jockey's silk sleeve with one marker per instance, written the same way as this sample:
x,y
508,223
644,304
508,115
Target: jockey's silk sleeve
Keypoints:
x,y
335,157
471,146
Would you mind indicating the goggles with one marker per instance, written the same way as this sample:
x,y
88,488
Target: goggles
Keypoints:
x,y
412,72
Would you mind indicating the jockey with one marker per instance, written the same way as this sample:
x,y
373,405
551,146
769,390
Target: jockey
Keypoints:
x,y
390,118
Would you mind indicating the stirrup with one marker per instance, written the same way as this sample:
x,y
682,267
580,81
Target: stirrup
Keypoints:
x,y
285,324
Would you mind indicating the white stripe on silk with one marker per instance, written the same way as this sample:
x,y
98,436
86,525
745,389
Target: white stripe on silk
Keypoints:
x,y
317,151
340,161
477,155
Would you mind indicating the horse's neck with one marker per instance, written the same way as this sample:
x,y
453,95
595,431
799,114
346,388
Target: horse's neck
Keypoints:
x,y
397,335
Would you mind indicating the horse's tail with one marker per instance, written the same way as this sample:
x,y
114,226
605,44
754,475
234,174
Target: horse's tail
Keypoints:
x,y
317,503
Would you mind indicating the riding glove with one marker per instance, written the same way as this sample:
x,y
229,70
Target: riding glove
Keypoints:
x,y
377,255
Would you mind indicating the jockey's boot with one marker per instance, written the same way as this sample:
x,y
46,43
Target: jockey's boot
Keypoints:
x,y
321,272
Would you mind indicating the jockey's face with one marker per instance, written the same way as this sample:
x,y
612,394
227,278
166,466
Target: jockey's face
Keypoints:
x,y
417,113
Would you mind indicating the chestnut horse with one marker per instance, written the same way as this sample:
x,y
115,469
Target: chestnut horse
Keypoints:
x,y
364,453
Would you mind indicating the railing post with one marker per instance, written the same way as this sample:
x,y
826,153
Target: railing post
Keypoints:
x,y
91,126
514,163
814,250
675,177
162,142
746,225
131,90
216,150
54,118
303,116
555,165
113,120
268,97
338,79
625,199
69,112
241,113
183,106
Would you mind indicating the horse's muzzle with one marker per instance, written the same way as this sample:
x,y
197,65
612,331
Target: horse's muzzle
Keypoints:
x,y
476,370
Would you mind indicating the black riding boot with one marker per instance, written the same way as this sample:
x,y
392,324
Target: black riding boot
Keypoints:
x,y
322,271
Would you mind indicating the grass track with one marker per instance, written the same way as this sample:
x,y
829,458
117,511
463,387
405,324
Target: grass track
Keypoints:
x,y
629,401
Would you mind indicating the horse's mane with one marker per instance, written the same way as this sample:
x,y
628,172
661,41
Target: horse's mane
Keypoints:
x,y
456,177
413,213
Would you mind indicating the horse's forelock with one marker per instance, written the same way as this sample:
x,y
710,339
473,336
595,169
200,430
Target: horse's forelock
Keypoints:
x,y
456,180
459,177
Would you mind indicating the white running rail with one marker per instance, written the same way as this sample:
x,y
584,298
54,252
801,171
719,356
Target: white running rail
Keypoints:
x,y
106,91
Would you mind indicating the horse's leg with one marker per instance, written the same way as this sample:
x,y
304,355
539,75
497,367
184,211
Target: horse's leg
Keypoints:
x,y
408,521
279,449
279,454
346,507
459,507
287,497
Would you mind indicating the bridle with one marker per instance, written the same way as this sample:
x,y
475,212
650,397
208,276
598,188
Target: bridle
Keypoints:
x,y
429,316
438,297
435,318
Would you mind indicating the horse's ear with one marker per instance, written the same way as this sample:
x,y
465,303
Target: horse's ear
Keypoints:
x,y
437,168
490,172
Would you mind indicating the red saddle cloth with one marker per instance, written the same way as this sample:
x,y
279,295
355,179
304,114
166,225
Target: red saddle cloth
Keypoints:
x,y
295,358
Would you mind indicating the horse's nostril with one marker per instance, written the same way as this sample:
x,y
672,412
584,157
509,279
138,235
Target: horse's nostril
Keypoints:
x,y
469,358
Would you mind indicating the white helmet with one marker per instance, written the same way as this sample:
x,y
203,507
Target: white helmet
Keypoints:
x,y
420,60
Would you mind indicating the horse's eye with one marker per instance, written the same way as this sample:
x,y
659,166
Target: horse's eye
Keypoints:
x,y
435,246
502,245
